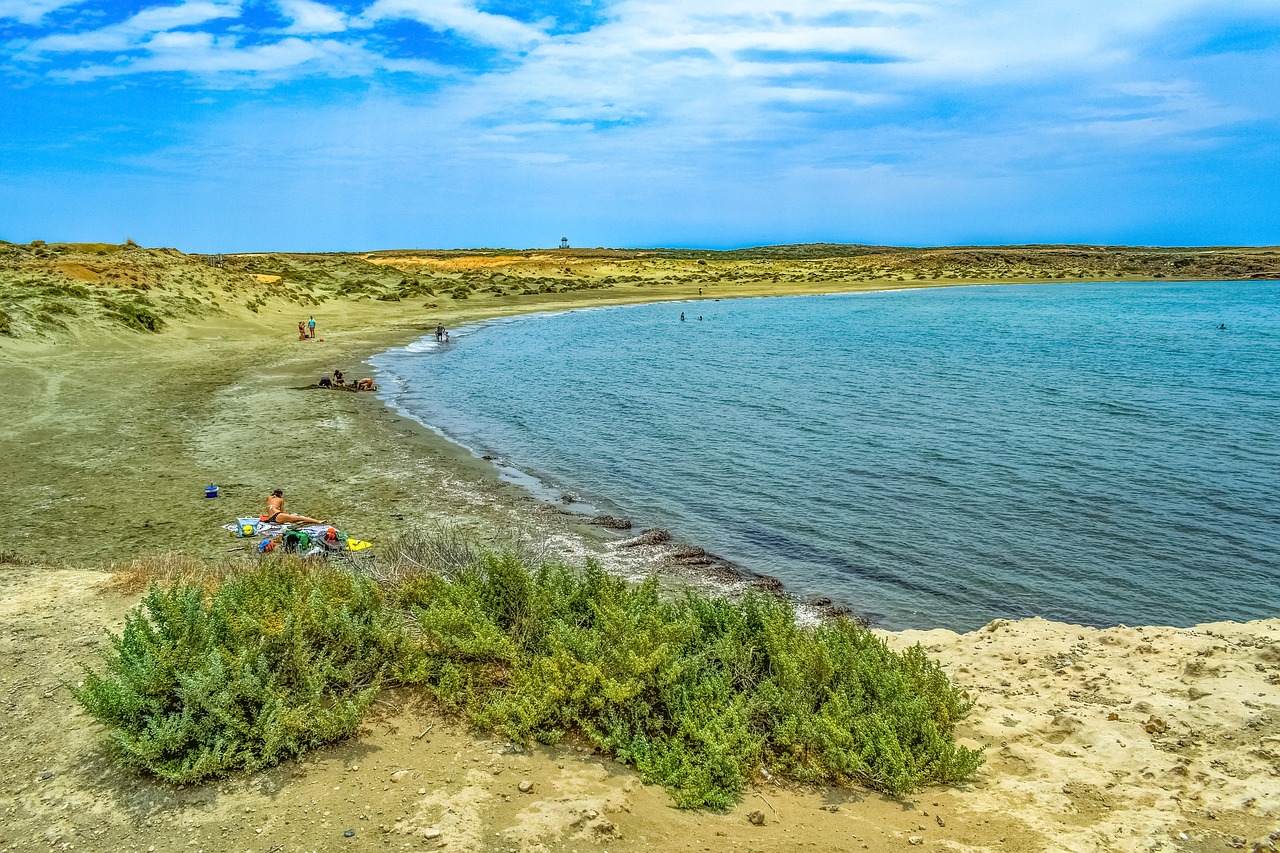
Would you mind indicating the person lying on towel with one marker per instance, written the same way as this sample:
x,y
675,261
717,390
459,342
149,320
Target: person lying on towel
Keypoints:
x,y
277,515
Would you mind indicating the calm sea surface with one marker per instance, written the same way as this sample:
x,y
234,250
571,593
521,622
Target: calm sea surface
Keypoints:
x,y
1097,453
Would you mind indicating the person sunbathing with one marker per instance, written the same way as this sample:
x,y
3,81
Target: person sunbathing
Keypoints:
x,y
277,515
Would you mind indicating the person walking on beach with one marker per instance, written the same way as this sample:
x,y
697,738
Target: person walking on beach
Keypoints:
x,y
277,515
311,327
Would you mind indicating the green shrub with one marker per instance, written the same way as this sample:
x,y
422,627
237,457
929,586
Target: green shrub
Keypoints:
x,y
697,693
278,661
134,315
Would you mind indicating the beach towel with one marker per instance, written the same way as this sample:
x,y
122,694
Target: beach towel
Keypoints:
x,y
315,539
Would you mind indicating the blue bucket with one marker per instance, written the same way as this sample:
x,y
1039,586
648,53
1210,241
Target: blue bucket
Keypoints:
x,y
210,491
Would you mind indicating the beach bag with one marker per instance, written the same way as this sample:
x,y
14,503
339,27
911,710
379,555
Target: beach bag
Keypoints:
x,y
295,540
334,539
246,527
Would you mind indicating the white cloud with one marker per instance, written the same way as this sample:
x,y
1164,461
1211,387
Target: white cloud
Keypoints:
x,y
160,39
32,11
311,17
133,31
459,17
704,73
204,55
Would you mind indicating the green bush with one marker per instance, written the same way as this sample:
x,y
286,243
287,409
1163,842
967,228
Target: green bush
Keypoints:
x,y
697,693
278,661
134,315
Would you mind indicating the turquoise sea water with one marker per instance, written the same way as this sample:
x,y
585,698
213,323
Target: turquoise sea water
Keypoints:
x,y
1096,453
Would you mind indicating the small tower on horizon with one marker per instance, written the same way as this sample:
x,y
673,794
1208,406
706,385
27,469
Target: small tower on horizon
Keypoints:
x,y
564,242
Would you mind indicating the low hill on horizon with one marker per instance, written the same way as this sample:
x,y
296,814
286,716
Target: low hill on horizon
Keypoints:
x,y
49,289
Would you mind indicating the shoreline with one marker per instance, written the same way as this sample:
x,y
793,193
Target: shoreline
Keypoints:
x,y
477,494
729,576
478,482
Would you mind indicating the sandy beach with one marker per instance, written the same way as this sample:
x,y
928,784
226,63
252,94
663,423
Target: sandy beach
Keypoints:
x,y
1141,738
1126,739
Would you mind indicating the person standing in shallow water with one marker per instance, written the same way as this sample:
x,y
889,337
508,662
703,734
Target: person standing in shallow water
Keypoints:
x,y
681,316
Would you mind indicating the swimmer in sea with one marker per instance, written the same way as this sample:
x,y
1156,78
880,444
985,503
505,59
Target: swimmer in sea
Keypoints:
x,y
277,515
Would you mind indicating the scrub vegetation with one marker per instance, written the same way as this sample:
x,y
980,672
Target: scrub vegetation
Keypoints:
x,y
218,671
141,289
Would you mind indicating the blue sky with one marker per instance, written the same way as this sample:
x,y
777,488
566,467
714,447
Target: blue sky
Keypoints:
x,y
241,125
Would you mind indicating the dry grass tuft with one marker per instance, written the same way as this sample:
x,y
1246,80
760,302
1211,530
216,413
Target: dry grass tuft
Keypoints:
x,y
166,570
445,550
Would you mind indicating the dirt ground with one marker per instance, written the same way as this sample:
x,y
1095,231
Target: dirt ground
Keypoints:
x,y
412,780
1190,762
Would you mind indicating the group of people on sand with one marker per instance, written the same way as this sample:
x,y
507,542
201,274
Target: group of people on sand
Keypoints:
x,y
307,329
337,380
